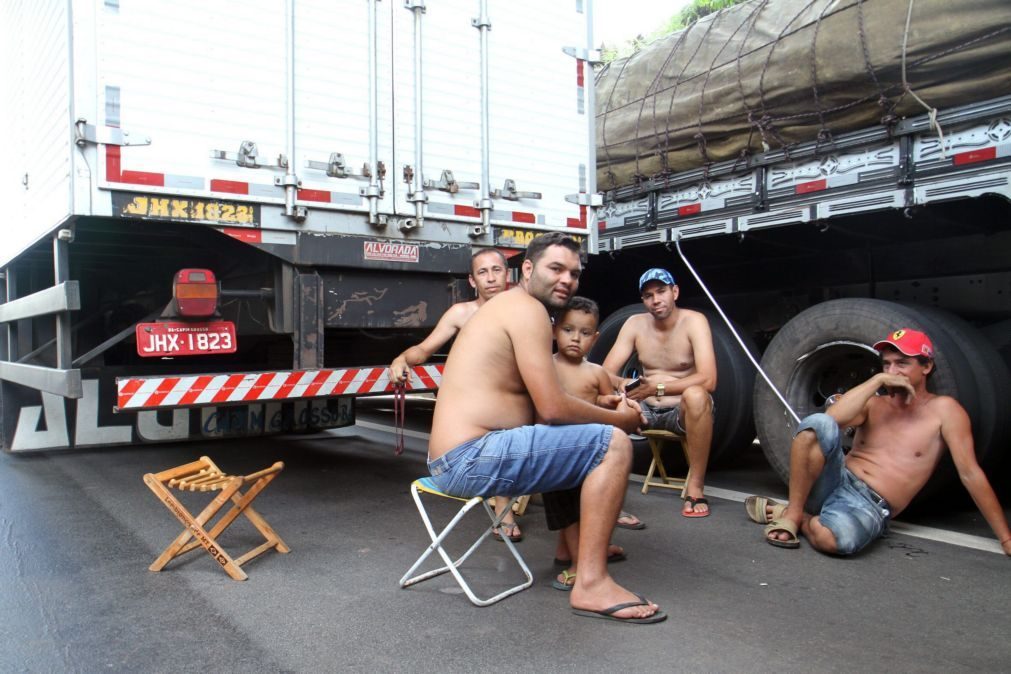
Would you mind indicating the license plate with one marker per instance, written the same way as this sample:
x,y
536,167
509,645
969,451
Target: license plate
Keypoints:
x,y
185,339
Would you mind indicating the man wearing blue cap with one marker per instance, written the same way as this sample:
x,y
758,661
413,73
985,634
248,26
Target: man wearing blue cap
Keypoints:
x,y
675,350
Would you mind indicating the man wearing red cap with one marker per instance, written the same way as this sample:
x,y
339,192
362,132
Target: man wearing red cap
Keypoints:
x,y
899,440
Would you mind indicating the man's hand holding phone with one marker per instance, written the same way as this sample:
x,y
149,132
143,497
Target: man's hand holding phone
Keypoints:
x,y
637,389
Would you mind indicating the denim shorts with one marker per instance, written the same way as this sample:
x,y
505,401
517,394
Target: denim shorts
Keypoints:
x,y
670,419
664,418
854,513
523,460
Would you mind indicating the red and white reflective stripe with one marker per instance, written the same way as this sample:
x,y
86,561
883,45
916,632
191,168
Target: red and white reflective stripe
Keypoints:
x,y
811,186
144,393
514,216
579,222
973,156
114,173
244,234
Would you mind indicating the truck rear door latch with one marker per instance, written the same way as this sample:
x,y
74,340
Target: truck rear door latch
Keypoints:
x,y
105,135
448,183
248,156
510,192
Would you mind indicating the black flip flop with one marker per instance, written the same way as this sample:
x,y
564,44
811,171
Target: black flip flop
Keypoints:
x,y
635,527
608,613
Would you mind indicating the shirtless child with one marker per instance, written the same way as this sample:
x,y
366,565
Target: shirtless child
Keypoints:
x,y
499,375
900,437
575,332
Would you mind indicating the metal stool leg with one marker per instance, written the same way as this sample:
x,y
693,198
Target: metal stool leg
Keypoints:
x,y
453,566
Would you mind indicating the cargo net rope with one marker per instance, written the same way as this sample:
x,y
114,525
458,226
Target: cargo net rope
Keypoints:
x,y
769,74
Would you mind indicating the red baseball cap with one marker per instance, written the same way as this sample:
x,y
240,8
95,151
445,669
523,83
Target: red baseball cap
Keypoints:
x,y
909,342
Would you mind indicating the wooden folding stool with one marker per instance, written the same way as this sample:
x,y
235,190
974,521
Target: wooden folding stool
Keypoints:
x,y
657,439
204,476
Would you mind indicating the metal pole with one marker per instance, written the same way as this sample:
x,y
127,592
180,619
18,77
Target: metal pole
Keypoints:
x,y
417,184
290,182
61,273
372,191
677,243
13,338
591,113
483,24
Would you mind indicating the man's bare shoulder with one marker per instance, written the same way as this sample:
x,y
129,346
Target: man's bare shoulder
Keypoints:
x,y
693,318
463,310
513,302
637,323
459,314
946,406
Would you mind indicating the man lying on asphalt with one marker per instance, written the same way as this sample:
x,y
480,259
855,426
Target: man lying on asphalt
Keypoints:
x,y
899,440
498,376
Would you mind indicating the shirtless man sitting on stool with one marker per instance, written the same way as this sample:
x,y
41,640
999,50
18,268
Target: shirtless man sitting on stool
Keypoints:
x,y
675,349
499,375
489,274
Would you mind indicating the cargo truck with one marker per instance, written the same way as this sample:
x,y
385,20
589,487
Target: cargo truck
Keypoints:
x,y
830,171
225,218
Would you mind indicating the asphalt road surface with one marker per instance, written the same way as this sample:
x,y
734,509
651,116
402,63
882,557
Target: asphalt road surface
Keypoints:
x,y
80,529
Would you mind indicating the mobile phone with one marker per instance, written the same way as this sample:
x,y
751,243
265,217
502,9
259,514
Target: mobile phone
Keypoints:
x,y
632,384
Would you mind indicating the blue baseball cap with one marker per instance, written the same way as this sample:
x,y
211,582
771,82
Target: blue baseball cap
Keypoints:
x,y
656,274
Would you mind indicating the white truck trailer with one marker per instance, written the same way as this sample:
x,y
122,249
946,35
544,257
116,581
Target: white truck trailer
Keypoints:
x,y
832,170
226,218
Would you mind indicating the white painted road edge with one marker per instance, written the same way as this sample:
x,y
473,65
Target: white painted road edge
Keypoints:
x,y
914,530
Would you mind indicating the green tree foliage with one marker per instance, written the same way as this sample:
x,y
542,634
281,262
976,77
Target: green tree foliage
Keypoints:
x,y
687,16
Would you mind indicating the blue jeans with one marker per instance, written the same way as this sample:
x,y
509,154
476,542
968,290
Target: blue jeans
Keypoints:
x,y
845,504
523,460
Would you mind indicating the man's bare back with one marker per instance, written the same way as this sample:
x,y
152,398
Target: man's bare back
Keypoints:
x,y
482,387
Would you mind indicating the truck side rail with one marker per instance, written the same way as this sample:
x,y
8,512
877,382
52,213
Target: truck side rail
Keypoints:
x,y
58,301
865,171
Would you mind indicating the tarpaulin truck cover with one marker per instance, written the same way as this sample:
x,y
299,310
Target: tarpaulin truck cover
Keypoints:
x,y
770,73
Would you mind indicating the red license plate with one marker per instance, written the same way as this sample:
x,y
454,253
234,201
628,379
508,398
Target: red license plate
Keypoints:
x,y
185,339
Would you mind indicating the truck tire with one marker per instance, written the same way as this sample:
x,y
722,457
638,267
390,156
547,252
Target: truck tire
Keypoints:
x,y
733,426
827,349
999,336
993,382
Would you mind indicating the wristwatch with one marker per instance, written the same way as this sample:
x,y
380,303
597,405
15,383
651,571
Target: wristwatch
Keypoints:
x,y
659,390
